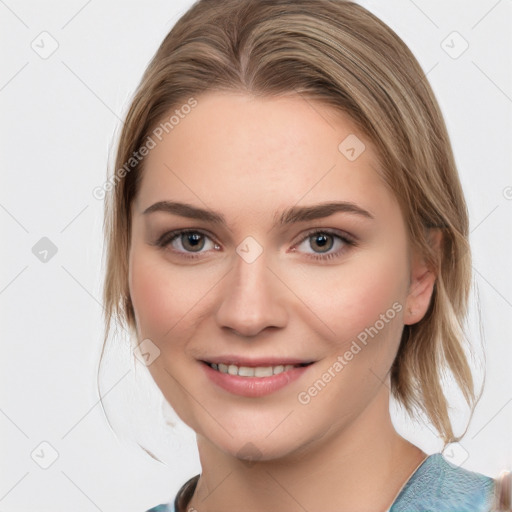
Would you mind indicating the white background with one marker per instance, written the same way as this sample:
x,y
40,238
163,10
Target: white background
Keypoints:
x,y
59,115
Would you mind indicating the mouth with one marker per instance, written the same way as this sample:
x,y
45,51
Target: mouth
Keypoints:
x,y
254,371
251,378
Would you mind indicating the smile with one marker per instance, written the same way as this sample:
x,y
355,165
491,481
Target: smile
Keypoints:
x,y
258,371
253,381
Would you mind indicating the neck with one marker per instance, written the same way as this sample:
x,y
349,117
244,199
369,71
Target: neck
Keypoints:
x,y
354,468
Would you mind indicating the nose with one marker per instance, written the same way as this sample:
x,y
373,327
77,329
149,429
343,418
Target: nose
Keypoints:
x,y
252,298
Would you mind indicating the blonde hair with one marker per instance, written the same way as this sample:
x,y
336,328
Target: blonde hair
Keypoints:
x,y
336,52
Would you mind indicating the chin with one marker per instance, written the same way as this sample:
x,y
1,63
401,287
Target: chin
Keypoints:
x,y
255,451
251,441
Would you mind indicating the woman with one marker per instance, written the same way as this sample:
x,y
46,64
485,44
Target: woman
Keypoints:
x,y
288,240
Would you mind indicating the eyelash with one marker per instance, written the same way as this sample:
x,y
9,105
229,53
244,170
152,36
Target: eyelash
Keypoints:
x,y
167,238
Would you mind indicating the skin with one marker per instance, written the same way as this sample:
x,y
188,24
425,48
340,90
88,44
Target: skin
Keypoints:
x,y
247,158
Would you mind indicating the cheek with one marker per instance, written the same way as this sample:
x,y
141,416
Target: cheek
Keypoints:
x,y
157,295
151,297
164,314
362,303
350,298
169,301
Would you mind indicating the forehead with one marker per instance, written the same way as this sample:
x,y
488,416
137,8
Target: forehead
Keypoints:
x,y
245,152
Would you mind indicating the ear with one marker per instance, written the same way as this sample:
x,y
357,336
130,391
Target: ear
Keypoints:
x,y
422,280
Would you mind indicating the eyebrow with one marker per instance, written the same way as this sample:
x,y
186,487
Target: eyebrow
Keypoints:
x,y
289,216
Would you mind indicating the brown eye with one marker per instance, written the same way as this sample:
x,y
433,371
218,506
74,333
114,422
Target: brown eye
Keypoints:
x,y
187,243
321,242
322,245
192,241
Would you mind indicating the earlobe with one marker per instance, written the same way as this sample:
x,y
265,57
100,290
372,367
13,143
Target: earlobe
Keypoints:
x,y
422,281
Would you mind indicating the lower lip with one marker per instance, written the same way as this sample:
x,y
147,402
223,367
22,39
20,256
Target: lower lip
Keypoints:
x,y
253,386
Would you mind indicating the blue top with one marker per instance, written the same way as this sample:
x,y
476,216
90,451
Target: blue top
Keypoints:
x,y
437,485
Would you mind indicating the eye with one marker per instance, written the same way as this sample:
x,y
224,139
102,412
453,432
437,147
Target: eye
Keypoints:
x,y
319,244
187,242
322,242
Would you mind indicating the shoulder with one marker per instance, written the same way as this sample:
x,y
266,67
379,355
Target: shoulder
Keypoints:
x,y
439,485
164,507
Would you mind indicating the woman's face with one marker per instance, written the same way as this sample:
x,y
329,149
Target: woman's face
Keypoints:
x,y
296,253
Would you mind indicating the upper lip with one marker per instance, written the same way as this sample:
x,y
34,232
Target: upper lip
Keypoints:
x,y
255,362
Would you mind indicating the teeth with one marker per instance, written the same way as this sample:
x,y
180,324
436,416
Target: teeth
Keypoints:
x,y
261,371
246,371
